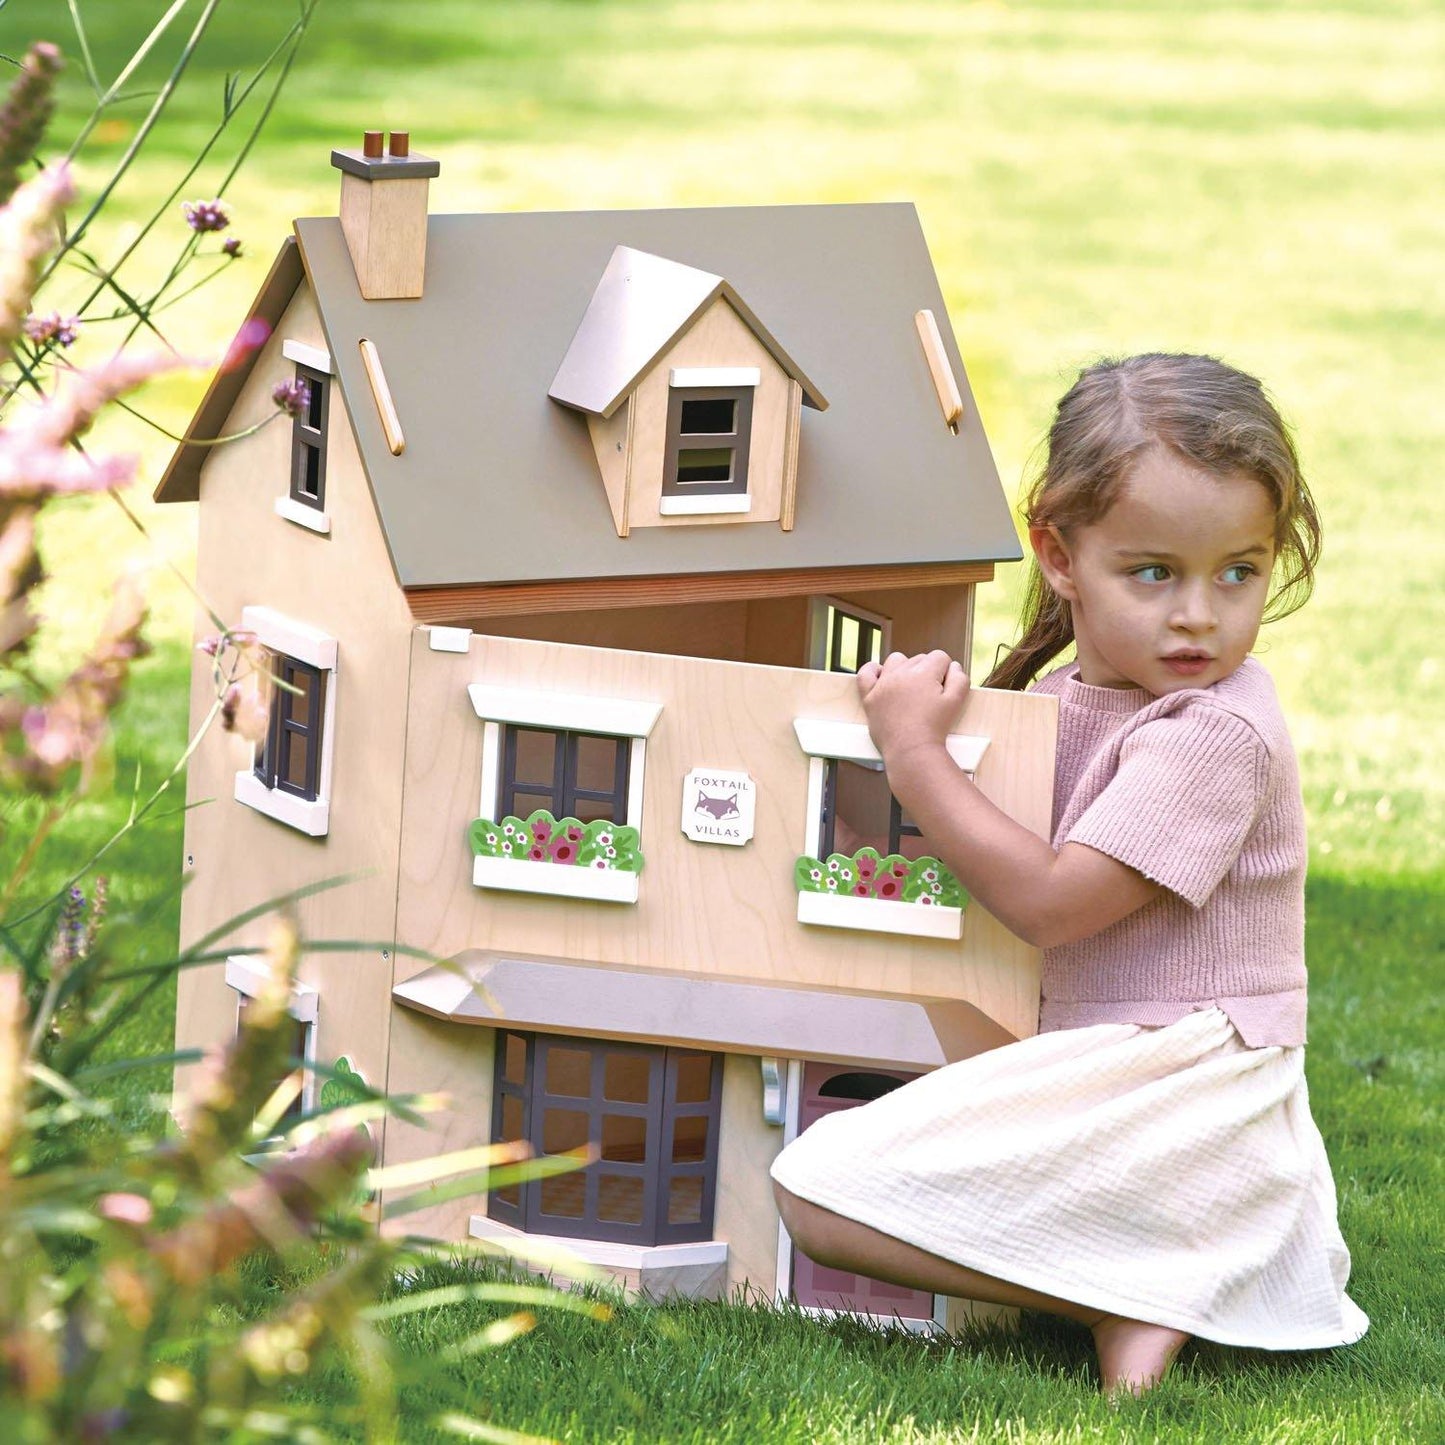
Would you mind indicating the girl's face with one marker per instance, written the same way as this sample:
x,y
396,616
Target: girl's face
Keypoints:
x,y
1168,588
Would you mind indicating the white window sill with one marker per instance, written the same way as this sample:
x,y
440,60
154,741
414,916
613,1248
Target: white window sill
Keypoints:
x,y
522,875
606,1253
311,818
879,915
713,505
312,518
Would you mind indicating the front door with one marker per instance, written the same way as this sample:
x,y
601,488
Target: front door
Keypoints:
x,y
828,1088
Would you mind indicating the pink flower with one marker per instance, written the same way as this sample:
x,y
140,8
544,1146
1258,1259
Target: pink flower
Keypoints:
x,y
888,888
254,332
27,233
861,890
537,854
563,851
541,831
867,867
125,1208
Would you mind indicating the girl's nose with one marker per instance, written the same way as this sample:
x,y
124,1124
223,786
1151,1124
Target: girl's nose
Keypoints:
x,y
1194,609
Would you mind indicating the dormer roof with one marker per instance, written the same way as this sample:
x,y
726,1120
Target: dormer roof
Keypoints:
x,y
642,304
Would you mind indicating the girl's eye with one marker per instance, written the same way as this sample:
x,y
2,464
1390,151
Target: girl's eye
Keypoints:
x,y
1240,572
1154,572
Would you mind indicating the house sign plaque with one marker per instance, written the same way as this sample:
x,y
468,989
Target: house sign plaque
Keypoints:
x,y
718,806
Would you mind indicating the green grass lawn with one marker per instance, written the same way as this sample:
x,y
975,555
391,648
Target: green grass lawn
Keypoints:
x,y
1255,180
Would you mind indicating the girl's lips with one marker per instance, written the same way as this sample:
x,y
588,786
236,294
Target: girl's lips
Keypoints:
x,y
1188,664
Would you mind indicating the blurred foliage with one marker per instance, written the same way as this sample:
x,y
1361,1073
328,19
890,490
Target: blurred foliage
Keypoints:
x,y
161,1279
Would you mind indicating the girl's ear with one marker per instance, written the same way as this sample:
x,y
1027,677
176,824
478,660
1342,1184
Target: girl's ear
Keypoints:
x,y
1055,560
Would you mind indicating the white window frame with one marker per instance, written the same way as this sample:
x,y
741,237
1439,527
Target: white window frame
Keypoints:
x,y
313,519
822,740
310,645
818,628
250,978
525,707
715,503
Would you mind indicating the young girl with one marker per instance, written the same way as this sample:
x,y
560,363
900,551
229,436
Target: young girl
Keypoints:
x,y
1146,1164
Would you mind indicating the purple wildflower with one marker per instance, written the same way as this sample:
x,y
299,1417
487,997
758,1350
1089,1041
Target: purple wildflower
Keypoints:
x,y
293,397
54,329
25,112
231,246
203,216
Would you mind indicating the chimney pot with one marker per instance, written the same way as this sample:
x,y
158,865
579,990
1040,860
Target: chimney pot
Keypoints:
x,y
371,144
399,143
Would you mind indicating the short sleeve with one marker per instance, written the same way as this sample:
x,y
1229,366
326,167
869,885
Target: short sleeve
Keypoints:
x,y
1187,793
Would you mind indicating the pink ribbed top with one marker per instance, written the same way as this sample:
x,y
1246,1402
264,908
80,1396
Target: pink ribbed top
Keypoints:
x,y
1199,791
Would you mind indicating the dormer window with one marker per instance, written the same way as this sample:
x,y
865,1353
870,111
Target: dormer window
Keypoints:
x,y
693,408
308,442
709,431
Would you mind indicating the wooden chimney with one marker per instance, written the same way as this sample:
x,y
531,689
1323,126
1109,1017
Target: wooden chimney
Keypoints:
x,y
383,214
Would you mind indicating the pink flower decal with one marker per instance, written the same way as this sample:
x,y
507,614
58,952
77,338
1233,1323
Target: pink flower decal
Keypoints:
x,y
537,854
866,868
541,830
562,850
888,887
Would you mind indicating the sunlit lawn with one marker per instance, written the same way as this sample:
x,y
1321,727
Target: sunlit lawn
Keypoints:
x,y
1257,180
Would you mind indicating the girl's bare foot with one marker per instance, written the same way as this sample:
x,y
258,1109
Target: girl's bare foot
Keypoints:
x,y
1133,1356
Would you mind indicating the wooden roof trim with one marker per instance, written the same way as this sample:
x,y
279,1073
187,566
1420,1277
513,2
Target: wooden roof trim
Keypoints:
x,y
479,987
181,481
464,602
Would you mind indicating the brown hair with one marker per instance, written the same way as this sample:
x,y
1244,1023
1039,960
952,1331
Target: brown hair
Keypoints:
x,y
1211,415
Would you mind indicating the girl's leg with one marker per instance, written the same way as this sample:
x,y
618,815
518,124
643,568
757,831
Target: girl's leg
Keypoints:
x,y
1132,1354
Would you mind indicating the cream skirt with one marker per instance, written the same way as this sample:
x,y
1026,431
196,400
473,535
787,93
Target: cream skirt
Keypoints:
x,y
1167,1174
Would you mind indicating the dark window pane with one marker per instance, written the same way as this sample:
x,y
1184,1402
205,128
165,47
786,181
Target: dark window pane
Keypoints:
x,y
510,1195
514,1065
706,464
316,401
859,1085
310,482
625,1078
624,1138
684,1202
563,1129
565,1195
597,763
569,1072
512,1127
862,799
694,1078
689,1139
536,757
296,706
619,1199
588,810
710,418
845,649
296,751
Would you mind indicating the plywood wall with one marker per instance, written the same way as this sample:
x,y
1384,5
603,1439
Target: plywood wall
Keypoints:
x,y
342,583
721,911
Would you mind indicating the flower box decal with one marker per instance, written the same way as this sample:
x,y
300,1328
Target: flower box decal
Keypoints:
x,y
563,842
894,879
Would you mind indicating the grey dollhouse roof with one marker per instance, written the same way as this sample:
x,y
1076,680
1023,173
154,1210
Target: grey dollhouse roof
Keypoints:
x,y
498,482
642,304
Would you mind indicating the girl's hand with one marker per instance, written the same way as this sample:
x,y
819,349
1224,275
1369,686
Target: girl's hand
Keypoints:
x,y
911,702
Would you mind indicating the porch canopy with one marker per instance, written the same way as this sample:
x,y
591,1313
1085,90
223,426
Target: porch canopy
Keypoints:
x,y
648,1005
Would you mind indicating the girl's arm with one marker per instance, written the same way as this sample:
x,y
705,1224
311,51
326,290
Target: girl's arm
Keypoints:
x,y
1046,898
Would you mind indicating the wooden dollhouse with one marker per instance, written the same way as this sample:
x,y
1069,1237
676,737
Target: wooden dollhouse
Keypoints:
x,y
565,566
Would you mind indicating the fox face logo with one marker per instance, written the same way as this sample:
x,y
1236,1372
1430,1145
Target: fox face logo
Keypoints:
x,y
717,808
